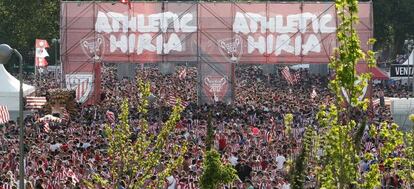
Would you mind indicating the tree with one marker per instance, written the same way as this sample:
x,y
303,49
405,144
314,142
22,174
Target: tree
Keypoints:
x,y
407,163
24,21
344,122
133,162
301,163
215,173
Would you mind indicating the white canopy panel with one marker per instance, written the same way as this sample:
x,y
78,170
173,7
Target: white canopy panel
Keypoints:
x,y
410,59
9,90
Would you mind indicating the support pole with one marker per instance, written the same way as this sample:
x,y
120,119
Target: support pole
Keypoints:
x,y
412,61
21,128
409,74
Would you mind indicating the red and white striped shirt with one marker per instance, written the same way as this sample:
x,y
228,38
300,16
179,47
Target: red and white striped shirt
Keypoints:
x,y
6,186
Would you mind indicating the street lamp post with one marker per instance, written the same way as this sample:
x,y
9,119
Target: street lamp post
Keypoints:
x,y
5,53
55,44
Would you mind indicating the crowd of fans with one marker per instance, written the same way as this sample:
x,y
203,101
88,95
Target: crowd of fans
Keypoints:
x,y
250,134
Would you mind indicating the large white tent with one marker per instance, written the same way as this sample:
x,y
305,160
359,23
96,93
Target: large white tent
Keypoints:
x,y
410,59
9,90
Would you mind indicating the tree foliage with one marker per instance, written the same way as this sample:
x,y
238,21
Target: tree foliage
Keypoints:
x,y
344,122
301,165
407,163
24,21
215,173
393,24
133,162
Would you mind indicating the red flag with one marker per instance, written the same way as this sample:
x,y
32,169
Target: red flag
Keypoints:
x,y
172,101
296,77
268,136
272,122
4,114
35,102
41,43
183,74
46,127
41,62
255,131
286,74
66,115
41,52
69,173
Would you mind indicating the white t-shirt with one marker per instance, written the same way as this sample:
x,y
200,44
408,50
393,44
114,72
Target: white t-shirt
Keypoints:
x,y
286,186
280,160
86,145
172,183
54,147
233,160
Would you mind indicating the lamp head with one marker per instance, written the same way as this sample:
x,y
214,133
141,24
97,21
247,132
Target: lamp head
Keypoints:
x,y
5,53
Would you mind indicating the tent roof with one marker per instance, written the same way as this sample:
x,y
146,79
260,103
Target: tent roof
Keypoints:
x,y
408,62
377,73
10,85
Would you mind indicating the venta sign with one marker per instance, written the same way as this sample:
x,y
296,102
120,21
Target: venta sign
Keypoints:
x,y
401,70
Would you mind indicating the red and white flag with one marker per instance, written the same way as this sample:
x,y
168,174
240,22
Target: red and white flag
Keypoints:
x,y
296,77
286,74
110,116
268,136
71,174
4,114
272,122
41,52
313,94
6,186
183,74
46,127
376,102
35,102
66,115
172,101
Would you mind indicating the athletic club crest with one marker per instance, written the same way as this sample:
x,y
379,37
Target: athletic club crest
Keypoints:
x,y
93,47
231,48
82,84
215,87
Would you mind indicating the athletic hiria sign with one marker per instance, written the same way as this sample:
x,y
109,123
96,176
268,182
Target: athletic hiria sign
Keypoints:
x,y
203,32
270,35
227,32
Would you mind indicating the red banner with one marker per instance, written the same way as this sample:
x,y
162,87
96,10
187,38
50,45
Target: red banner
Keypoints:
x,y
266,33
41,53
220,32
